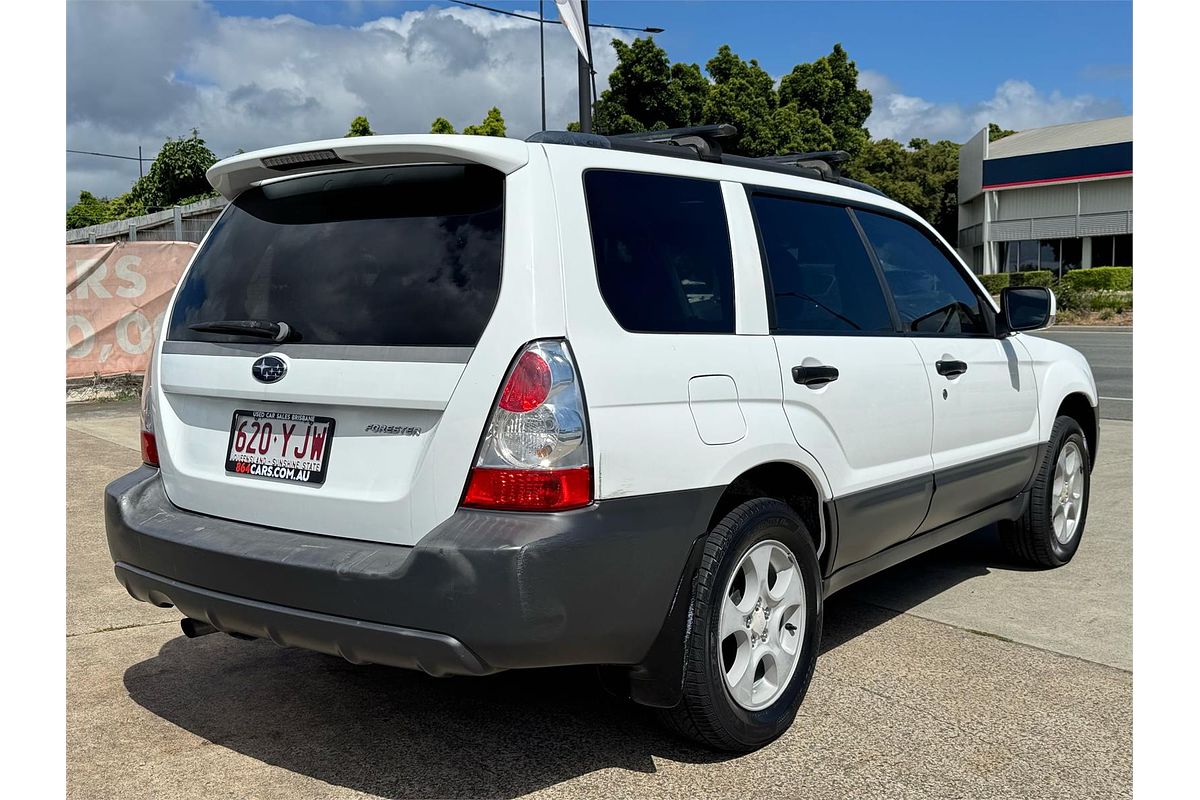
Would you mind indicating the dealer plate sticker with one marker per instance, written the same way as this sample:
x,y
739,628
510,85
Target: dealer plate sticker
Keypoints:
x,y
279,445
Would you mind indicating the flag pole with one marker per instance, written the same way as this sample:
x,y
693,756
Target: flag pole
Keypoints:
x,y
585,77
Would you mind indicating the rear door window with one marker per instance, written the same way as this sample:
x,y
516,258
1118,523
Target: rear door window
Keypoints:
x,y
931,295
663,259
821,276
395,256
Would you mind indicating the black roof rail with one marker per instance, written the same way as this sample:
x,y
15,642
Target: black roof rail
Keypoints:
x,y
704,139
828,162
704,142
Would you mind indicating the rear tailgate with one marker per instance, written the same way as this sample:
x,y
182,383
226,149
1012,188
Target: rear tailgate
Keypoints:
x,y
386,279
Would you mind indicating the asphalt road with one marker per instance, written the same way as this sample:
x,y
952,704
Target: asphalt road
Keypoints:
x,y
1110,352
956,675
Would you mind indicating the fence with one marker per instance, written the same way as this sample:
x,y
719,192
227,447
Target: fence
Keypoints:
x,y
179,224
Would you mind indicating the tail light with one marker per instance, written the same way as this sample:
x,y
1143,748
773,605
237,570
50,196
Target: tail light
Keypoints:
x,y
149,443
534,455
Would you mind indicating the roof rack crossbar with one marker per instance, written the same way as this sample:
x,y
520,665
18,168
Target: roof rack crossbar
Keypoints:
x,y
827,162
704,139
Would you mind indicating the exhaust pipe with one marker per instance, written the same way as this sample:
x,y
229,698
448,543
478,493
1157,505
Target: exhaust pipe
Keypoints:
x,y
193,627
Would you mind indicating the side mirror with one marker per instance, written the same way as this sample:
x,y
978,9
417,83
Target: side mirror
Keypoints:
x,y
1026,308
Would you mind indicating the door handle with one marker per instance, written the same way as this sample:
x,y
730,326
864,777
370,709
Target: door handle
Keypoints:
x,y
814,377
951,369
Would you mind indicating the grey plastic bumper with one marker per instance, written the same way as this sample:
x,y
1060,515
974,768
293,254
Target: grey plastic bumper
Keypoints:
x,y
484,591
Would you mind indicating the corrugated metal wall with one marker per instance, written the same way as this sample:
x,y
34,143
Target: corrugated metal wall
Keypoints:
x,y
1101,197
1037,201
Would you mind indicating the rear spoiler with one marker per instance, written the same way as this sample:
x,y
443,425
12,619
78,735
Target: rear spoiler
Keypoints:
x,y
234,175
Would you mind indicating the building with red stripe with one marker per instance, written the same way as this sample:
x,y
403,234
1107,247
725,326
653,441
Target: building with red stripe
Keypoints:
x,y
1056,198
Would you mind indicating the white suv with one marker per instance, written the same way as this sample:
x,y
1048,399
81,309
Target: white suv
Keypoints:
x,y
466,404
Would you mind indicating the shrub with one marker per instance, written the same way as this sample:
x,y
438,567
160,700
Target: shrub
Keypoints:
x,y
1111,279
994,283
1039,277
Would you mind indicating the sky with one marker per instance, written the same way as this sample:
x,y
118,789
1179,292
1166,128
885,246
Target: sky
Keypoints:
x,y
257,74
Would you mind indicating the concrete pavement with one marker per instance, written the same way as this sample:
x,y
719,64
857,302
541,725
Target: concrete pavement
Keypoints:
x,y
956,675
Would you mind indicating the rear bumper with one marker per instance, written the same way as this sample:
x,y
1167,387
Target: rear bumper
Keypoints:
x,y
484,591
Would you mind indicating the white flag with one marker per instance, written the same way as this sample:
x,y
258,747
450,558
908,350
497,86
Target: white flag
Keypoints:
x,y
571,14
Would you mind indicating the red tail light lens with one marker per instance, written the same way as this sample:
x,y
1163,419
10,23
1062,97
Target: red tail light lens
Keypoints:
x,y
529,489
534,454
529,384
149,449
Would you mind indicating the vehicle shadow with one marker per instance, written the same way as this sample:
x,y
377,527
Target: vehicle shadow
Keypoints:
x,y
401,734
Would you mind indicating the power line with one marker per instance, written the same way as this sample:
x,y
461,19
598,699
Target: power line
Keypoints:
x,y
111,155
552,21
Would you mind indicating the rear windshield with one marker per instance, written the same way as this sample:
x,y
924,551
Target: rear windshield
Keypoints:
x,y
396,256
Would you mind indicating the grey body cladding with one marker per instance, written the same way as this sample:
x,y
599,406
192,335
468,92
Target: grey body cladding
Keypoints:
x,y
877,528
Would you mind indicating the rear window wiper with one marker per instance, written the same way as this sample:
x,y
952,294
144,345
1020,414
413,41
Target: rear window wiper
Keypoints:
x,y
263,329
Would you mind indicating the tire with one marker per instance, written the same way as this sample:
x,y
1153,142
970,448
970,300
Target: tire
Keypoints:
x,y
1033,538
708,712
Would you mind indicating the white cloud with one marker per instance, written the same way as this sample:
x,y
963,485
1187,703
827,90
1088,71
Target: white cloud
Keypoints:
x,y
1015,104
141,72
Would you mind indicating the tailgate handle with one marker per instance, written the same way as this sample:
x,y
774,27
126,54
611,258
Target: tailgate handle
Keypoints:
x,y
814,377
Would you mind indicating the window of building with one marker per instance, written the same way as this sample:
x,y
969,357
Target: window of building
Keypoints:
x,y
1102,251
822,278
1072,254
1123,250
931,294
1050,255
1010,256
663,259
1028,258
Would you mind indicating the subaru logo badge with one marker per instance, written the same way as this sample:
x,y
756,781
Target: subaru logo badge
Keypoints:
x,y
269,369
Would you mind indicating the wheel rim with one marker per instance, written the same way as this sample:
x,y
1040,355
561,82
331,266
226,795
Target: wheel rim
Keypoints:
x,y
762,624
1067,493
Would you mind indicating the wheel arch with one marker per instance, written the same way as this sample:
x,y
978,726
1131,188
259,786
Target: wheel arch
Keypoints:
x,y
784,481
1078,407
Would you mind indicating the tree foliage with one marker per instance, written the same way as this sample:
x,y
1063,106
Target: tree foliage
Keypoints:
x,y
442,125
90,210
922,176
818,106
176,174
996,132
176,177
359,126
492,125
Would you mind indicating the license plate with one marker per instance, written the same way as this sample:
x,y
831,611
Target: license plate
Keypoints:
x,y
279,445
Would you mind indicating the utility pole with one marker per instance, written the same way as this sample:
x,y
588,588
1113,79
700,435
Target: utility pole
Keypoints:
x,y
140,174
585,77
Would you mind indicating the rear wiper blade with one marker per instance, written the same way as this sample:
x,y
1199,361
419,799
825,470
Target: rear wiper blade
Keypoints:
x,y
264,329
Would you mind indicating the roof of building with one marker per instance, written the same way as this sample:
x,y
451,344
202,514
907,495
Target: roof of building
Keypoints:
x,y
1064,137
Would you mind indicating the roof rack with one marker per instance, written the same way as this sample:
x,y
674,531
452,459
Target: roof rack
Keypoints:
x,y
828,162
703,142
704,139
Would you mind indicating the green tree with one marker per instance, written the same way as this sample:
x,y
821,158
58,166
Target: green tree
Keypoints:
x,y
818,106
89,210
359,126
996,132
829,86
177,173
922,176
646,92
442,125
492,125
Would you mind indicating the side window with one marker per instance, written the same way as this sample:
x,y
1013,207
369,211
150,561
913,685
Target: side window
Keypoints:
x,y
931,295
663,258
821,275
